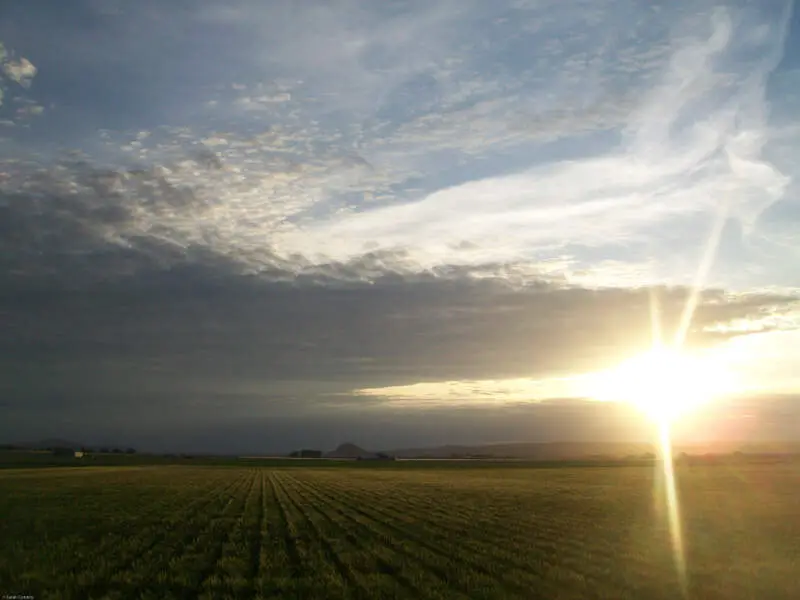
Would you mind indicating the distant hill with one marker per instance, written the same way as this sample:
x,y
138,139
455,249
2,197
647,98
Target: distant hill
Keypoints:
x,y
770,448
587,450
350,450
530,451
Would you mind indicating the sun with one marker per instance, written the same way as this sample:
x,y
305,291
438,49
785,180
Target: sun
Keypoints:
x,y
664,383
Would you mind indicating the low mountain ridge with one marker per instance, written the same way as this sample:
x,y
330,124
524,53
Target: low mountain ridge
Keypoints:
x,y
530,450
349,450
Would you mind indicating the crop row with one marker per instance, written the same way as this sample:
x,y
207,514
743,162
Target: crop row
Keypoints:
x,y
180,532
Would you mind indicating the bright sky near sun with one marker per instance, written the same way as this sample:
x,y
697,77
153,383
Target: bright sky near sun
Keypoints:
x,y
414,204
756,364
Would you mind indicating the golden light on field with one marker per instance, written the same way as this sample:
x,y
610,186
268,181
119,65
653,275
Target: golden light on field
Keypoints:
x,y
664,383
667,382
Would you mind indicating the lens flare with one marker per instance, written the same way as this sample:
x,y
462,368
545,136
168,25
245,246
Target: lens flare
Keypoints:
x,y
673,506
667,460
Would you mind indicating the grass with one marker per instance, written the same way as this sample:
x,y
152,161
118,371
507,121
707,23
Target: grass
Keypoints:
x,y
388,532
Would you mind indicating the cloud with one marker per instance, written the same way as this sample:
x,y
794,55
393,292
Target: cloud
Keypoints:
x,y
354,129
497,392
263,102
695,139
201,320
21,71
228,430
77,239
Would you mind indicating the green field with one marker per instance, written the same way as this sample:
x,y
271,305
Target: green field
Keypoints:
x,y
310,532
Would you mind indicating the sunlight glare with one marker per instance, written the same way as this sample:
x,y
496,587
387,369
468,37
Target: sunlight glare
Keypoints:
x,y
665,384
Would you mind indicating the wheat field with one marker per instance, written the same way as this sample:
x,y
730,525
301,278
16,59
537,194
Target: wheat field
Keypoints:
x,y
470,533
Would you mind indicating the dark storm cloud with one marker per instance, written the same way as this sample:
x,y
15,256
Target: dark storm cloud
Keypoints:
x,y
198,321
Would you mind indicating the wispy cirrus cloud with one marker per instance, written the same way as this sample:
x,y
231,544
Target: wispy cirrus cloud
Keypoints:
x,y
691,148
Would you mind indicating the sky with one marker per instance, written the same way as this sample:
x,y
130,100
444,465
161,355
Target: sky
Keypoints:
x,y
243,225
